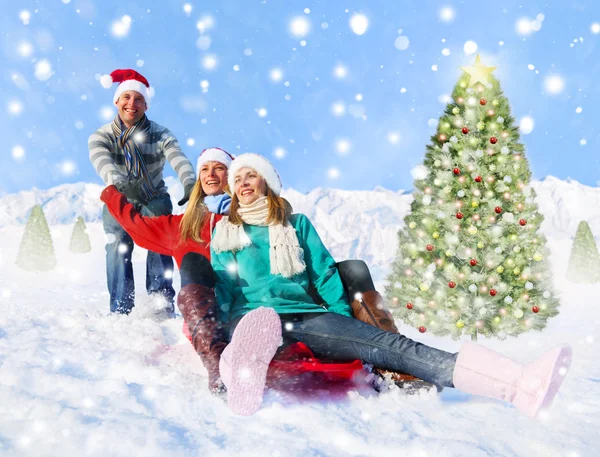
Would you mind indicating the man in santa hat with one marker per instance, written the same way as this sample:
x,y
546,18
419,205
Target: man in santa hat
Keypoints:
x,y
130,153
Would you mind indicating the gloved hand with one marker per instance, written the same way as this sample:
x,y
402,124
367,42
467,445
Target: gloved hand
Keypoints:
x,y
132,190
186,194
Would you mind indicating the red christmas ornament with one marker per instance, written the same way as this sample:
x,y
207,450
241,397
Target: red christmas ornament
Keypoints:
x,y
535,309
465,130
498,210
493,292
409,305
429,247
473,262
482,102
422,329
493,140
523,222
459,215
456,171
452,284
478,179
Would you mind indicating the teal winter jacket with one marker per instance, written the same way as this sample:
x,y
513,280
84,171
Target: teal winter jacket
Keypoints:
x,y
244,281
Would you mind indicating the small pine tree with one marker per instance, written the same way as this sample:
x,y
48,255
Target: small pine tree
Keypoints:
x,y
80,241
584,264
36,252
472,258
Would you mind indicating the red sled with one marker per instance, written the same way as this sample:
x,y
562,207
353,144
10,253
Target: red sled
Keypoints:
x,y
297,359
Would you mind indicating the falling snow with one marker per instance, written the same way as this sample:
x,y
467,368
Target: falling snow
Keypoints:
x,y
276,75
340,71
120,27
299,26
15,107
333,173
526,26
279,152
554,84
25,48
18,153
25,16
526,125
359,24
203,43
447,14
402,43
343,146
470,47
210,62
43,70
68,167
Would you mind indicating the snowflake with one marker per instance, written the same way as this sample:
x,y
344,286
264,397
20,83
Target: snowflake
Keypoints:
x,y
120,27
359,23
299,26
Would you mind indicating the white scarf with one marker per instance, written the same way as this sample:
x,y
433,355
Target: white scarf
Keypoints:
x,y
285,254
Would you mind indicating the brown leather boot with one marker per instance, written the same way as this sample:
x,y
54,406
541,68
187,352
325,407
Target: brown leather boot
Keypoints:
x,y
198,307
372,310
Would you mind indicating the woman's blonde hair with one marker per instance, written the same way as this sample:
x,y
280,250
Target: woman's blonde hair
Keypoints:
x,y
194,216
279,209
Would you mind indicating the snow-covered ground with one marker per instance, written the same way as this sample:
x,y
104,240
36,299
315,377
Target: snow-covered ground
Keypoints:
x,y
75,381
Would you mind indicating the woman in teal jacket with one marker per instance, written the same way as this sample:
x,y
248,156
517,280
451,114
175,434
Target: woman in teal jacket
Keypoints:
x,y
264,260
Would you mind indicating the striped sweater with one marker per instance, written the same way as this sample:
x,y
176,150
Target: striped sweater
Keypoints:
x,y
109,161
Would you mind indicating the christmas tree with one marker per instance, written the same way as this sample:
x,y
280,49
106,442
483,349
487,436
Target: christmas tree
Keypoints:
x,y
584,264
472,260
36,252
80,241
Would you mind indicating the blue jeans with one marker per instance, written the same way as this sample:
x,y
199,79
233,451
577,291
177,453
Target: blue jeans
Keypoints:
x,y
119,271
342,338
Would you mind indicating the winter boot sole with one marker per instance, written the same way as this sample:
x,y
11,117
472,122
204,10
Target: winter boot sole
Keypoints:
x,y
245,361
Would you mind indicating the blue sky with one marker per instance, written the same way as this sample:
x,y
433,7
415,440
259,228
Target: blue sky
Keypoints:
x,y
295,81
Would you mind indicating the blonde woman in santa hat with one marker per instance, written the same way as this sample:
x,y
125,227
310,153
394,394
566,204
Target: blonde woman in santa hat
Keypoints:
x,y
130,153
212,167
265,259
186,237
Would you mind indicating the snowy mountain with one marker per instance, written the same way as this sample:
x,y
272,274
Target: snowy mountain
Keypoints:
x,y
353,224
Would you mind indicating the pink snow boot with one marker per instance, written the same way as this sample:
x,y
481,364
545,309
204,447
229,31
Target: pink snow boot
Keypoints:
x,y
530,387
245,361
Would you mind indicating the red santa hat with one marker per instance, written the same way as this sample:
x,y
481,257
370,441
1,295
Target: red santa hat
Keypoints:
x,y
258,163
128,80
213,155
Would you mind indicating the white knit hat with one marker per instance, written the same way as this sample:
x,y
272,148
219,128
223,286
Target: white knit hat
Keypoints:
x,y
258,163
129,80
213,155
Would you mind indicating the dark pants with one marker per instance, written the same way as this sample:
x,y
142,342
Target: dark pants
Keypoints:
x,y
355,277
341,338
119,270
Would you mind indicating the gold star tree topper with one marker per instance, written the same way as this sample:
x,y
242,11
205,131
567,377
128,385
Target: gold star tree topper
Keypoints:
x,y
478,73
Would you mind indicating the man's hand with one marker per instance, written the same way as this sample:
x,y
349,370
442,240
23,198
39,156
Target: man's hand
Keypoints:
x,y
132,190
186,194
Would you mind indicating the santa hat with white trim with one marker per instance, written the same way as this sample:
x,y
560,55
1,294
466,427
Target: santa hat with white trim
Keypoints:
x,y
258,163
128,80
213,155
